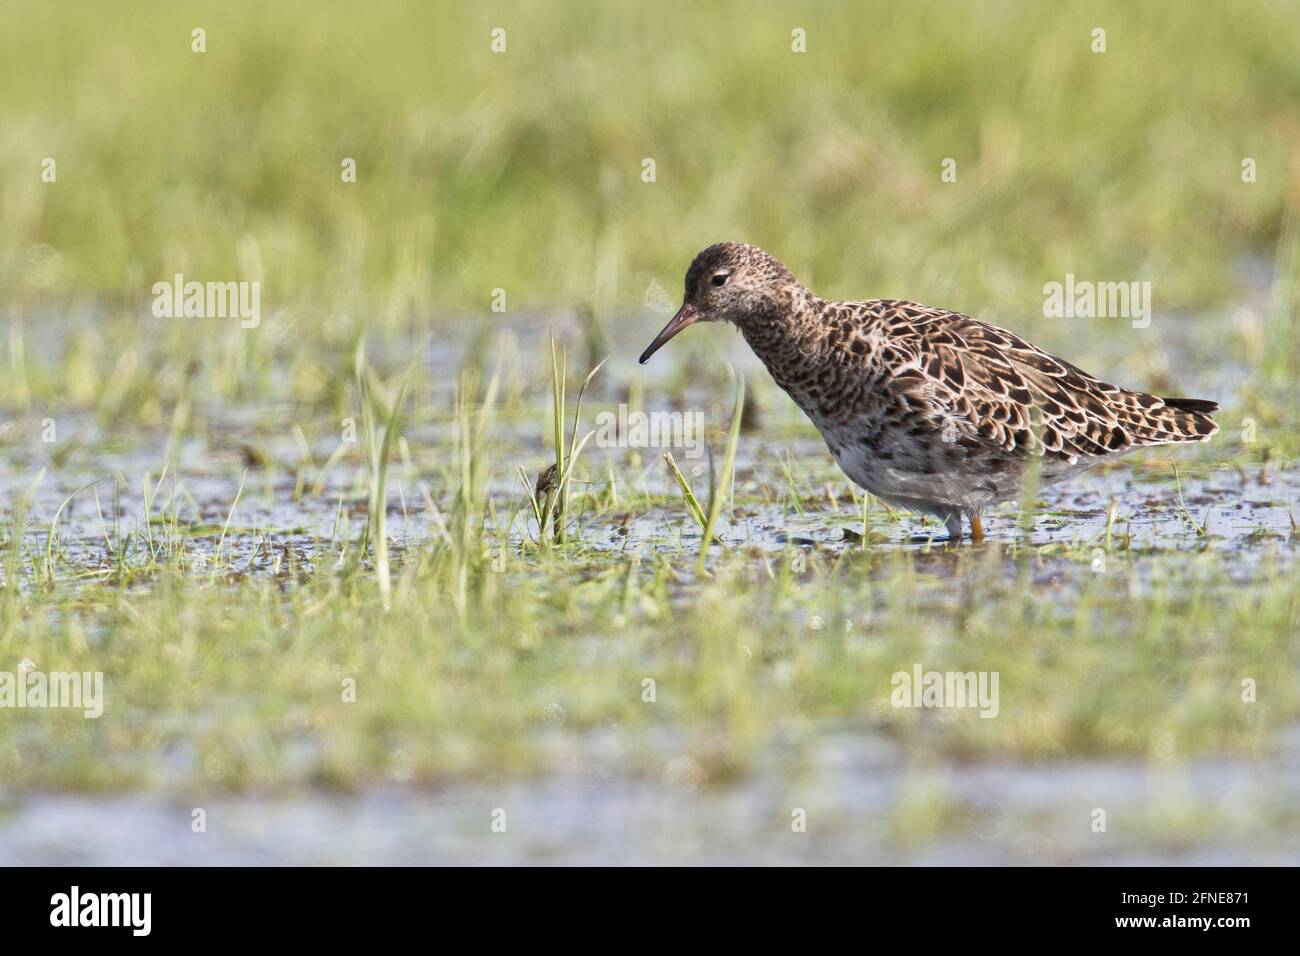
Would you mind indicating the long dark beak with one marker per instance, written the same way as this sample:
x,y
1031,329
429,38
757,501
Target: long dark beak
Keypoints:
x,y
686,315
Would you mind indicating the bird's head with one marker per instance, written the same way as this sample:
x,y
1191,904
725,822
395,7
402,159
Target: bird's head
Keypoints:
x,y
728,282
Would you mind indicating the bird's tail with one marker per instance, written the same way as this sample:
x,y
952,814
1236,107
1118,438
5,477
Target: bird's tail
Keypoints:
x,y
1185,419
1151,420
1199,405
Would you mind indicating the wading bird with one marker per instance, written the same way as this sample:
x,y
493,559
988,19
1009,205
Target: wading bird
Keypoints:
x,y
929,410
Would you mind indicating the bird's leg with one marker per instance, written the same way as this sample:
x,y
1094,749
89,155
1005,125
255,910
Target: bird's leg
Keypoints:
x,y
953,523
976,528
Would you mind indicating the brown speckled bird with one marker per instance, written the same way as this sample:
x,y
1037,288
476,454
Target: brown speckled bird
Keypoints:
x,y
929,410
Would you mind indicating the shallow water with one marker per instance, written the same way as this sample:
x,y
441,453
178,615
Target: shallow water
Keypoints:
x,y
288,506
1247,512
858,795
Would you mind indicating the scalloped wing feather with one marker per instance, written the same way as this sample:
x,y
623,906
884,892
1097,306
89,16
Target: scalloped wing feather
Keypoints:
x,y
1012,399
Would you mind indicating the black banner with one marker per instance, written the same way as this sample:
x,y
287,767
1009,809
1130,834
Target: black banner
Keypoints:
x,y
331,906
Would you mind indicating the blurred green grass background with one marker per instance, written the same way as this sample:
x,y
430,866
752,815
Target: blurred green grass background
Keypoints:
x,y
522,170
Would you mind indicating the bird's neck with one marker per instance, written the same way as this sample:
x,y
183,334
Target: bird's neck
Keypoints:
x,y
789,340
784,332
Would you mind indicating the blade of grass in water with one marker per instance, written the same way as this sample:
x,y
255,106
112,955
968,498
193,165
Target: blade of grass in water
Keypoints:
x,y
692,503
377,520
54,527
575,448
216,558
723,486
554,513
552,516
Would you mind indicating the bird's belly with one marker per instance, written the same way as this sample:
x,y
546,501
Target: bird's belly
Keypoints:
x,y
922,476
905,485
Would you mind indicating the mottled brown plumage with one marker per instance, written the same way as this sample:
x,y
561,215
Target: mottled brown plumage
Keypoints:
x,y
929,410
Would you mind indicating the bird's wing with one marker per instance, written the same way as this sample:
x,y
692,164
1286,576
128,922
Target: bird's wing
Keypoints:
x,y
1003,395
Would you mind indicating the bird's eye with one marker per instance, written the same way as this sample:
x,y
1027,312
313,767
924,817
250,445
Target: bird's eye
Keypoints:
x,y
721,278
